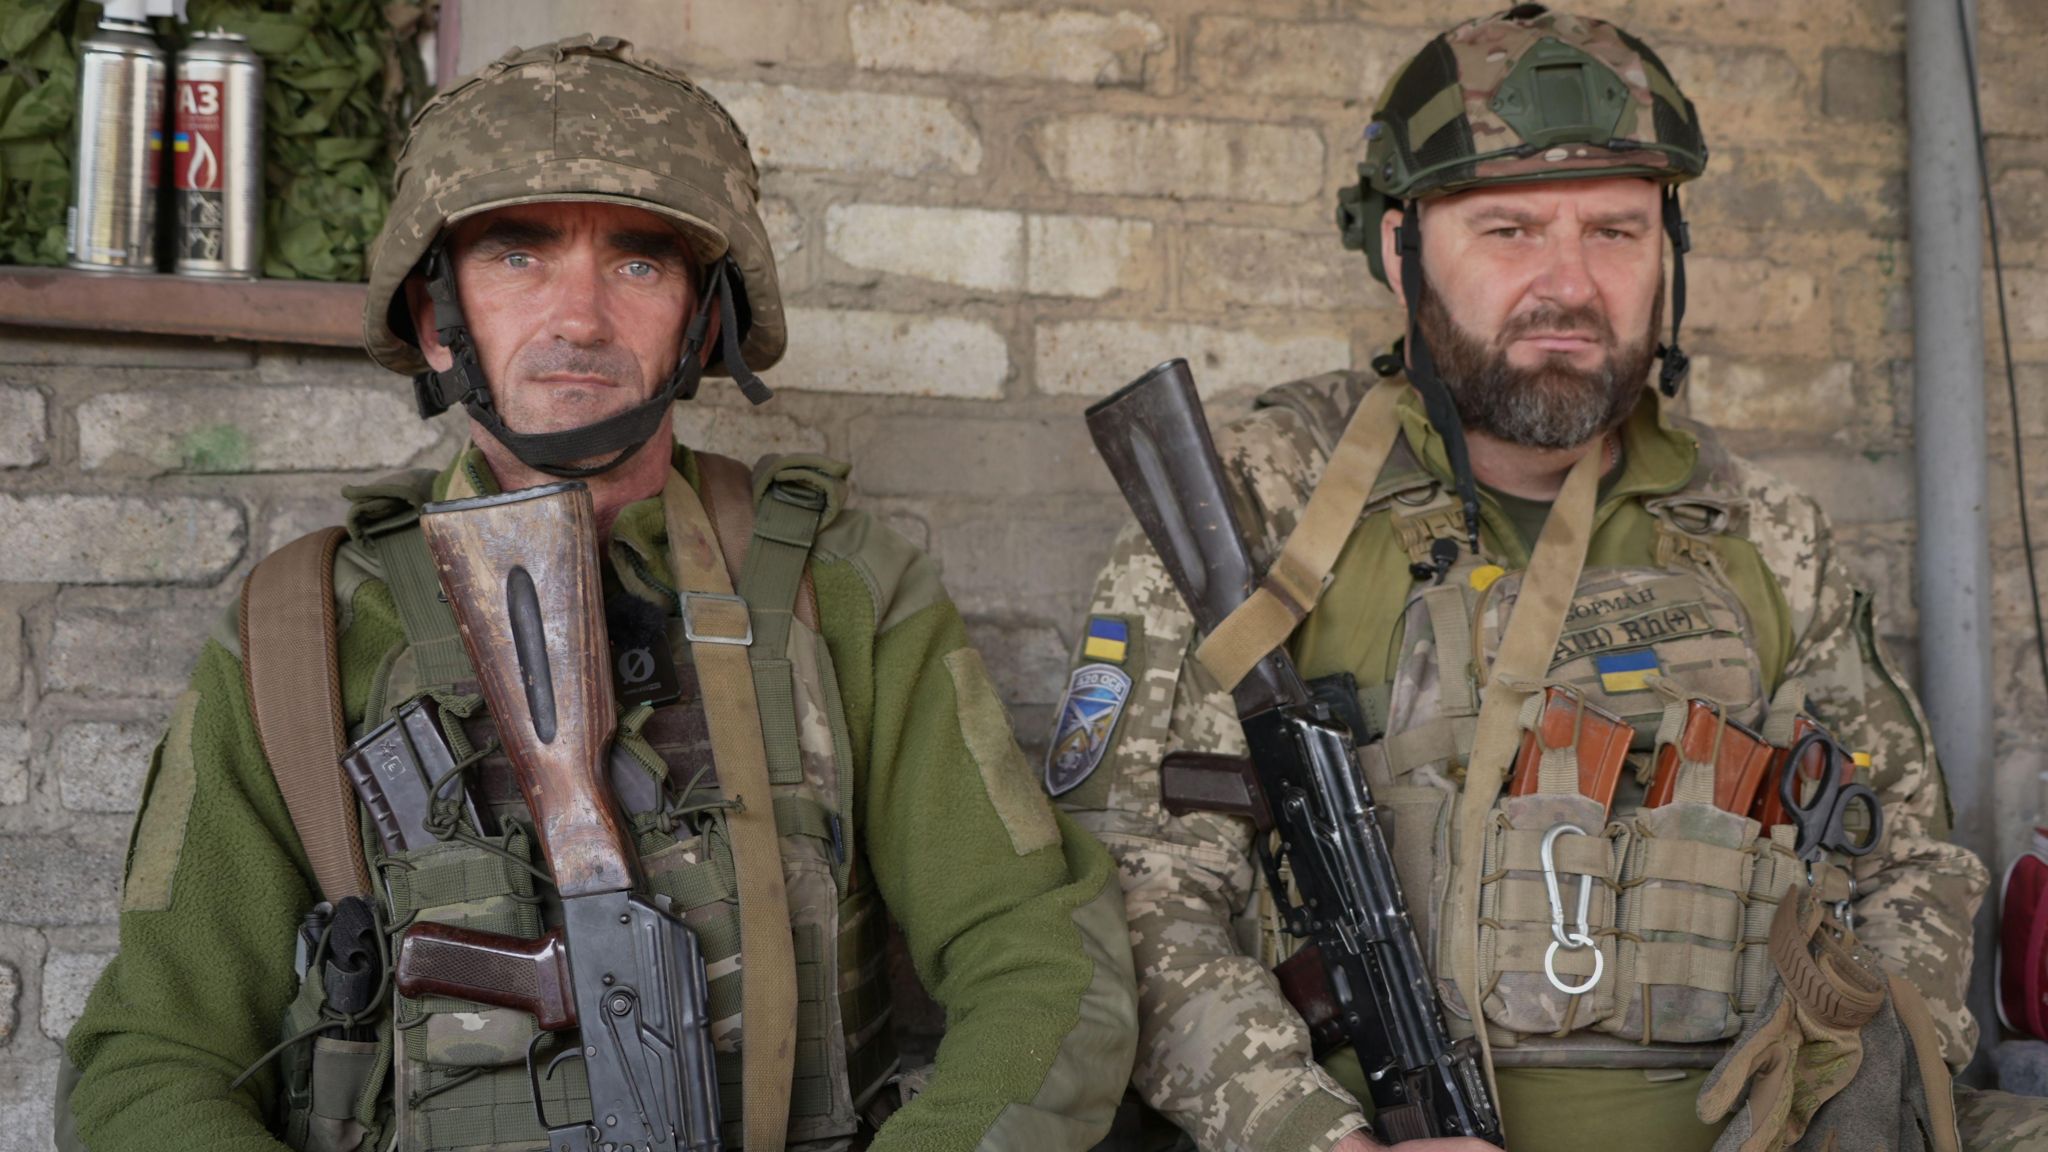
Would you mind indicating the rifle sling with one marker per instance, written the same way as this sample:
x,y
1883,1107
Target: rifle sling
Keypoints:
x,y
292,671
1520,666
719,649
1295,581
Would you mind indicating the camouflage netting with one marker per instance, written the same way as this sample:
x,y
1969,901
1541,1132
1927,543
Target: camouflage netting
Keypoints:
x,y
341,79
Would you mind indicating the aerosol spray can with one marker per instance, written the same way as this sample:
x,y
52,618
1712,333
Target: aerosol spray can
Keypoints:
x,y
217,158
121,76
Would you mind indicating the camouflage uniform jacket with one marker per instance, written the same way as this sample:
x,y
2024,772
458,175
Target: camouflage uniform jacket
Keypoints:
x,y
1220,1051
1010,914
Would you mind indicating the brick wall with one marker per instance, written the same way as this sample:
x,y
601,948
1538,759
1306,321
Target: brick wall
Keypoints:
x,y
986,213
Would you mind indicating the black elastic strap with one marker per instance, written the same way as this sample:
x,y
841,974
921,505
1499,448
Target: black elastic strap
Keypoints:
x,y
730,334
622,434
1436,399
1677,365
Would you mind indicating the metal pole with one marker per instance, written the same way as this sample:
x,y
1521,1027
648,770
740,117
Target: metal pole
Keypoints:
x,y
1952,559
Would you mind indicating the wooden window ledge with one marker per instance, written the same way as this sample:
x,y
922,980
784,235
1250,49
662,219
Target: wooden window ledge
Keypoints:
x,y
266,311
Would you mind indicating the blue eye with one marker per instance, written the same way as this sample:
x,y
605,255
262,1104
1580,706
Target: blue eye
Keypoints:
x,y
518,260
639,268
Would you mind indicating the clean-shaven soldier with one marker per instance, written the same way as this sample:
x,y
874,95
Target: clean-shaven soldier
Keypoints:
x,y
574,241
1519,191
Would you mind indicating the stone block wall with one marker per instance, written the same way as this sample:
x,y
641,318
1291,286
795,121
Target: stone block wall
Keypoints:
x,y
988,212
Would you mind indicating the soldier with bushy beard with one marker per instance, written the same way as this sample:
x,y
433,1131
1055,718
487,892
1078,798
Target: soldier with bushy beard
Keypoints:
x,y
1617,955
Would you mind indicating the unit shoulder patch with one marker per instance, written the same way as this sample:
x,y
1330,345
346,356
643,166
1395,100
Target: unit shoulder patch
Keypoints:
x,y
1096,694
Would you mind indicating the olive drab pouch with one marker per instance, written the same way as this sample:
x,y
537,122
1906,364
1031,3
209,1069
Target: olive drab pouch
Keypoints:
x,y
464,886
1776,870
1685,883
331,1086
1547,957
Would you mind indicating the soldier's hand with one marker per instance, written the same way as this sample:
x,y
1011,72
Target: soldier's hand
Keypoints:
x,y
1361,1142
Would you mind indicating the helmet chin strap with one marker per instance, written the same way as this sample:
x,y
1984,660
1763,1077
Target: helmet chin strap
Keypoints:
x,y
1677,365
1436,398
619,435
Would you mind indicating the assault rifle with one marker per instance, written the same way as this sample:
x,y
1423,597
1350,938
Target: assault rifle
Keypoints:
x,y
520,571
1302,782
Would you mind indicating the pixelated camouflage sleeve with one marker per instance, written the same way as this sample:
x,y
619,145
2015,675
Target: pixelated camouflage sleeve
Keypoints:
x,y
1220,1051
1918,892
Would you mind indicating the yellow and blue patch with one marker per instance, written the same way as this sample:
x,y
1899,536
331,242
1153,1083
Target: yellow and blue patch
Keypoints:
x,y
1108,639
1095,698
1626,671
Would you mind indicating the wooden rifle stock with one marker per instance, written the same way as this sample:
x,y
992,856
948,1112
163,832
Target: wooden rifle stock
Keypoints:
x,y
521,574
520,571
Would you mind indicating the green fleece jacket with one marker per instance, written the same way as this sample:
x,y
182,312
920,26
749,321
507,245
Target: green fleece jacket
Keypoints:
x,y
1010,913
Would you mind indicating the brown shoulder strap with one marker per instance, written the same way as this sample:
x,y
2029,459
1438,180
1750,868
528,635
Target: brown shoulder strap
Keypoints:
x,y
728,498
1295,581
293,674
721,629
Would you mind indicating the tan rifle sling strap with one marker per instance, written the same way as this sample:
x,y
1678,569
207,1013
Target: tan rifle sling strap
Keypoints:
x,y
291,666
1295,581
1519,666
721,632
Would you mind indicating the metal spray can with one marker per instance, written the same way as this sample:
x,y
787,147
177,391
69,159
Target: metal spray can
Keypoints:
x,y
217,158
121,75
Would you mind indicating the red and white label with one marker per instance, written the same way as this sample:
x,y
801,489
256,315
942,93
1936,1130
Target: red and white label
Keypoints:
x,y
196,145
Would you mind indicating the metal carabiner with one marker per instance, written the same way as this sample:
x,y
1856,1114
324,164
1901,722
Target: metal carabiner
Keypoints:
x,y
1582,938
1550,884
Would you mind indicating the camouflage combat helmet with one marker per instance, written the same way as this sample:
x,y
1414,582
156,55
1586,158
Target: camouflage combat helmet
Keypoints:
x,y
1522,95
582,119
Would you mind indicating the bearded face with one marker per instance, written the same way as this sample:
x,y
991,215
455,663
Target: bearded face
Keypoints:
x,y
1553,402
1541,303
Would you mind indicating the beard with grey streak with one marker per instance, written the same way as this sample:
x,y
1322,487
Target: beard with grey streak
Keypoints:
x,y
1550,405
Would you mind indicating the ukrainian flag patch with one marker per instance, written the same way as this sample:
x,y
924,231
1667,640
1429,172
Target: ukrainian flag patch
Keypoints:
x,y
1626,671
1108,639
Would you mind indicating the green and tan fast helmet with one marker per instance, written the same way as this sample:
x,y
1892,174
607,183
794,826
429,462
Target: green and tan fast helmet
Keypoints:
x,y
1521,96
578,120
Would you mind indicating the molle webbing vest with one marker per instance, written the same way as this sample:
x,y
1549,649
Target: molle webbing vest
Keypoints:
x,y
457,1067
1677,899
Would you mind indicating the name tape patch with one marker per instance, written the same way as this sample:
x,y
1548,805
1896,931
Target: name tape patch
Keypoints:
x,y
1649,625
